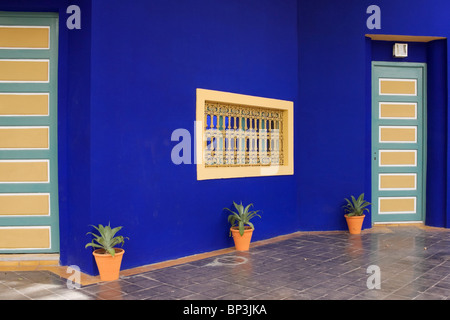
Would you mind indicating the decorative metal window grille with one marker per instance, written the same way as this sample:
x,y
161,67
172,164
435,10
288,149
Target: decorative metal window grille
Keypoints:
x,y
240,136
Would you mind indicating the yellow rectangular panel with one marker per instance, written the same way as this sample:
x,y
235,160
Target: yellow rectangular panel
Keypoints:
x,y
398,158
24,138
24,70
24,204
398,134
24,238
23,171
397,205
398,111
24,37
398,86
398,181
23,104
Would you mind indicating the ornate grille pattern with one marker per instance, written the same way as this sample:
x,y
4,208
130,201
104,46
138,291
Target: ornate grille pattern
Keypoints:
x,y
237,135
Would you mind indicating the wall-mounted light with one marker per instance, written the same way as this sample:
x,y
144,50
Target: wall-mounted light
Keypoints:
x,y
400,50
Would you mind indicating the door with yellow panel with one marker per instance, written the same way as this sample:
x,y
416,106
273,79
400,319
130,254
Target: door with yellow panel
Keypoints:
x,y
398,142
28,133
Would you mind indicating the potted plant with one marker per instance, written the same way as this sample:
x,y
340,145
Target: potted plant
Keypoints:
x,y
241,227
355,213
107,256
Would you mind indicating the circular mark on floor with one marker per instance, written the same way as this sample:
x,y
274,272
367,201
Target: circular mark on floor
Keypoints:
x,y
227,261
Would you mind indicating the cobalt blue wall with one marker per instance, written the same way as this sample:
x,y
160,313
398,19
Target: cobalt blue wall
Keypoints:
x,y
331,145
147,61
334,95
74,140
437,144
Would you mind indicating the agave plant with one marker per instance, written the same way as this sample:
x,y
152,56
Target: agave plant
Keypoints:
x,y
356,207
241,217
106,239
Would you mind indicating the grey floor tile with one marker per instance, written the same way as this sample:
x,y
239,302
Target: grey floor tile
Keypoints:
x,y
144,294
11,294
438,291
198,296
428,296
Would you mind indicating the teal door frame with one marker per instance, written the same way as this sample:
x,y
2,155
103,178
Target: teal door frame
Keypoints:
x,y
50,154
399,70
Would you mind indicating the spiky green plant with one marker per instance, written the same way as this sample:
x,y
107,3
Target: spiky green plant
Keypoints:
x,y
242,217
356,207
106,238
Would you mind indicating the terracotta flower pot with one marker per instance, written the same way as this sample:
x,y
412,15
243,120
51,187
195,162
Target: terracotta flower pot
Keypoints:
x,y
354,223
108,266
242,243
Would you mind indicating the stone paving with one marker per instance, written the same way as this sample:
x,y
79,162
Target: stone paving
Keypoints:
x,y
414,264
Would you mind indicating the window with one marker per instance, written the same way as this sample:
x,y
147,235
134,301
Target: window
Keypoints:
x,y
242,136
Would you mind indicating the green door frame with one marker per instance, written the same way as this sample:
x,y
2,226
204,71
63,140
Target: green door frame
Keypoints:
x,y
51,220
400,70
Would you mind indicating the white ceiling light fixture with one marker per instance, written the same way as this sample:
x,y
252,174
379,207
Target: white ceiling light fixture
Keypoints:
x,y
400,50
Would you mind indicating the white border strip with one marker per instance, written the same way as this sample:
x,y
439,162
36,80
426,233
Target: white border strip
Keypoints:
x,y
30,227
28,194
27,127
398,103
30,160
28,94
28,81
397,165
397,127
397,212
28,27
397,94
397,174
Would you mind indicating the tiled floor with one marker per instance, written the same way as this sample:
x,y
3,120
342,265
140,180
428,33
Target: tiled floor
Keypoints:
x,y
414,263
